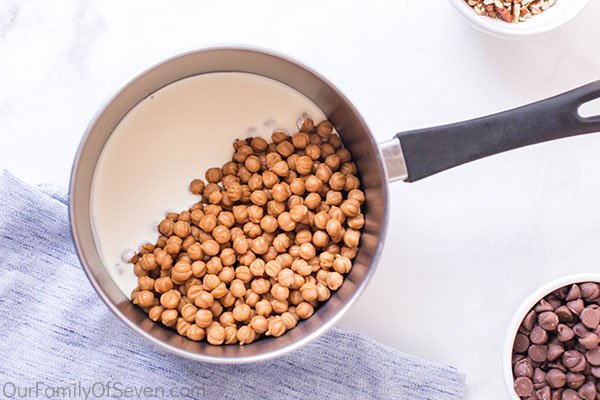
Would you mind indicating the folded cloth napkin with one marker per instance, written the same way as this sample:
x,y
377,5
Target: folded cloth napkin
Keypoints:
x,y
57,336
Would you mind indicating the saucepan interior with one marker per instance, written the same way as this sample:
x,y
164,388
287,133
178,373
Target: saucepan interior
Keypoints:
x,y
354,133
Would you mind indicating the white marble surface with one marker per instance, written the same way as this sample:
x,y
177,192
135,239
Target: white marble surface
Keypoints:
x,y
464,247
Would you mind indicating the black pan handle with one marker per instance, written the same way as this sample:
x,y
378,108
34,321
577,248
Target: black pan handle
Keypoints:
x,y
431,150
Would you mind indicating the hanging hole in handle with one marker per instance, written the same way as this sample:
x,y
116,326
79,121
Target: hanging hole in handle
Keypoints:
x,y
590,109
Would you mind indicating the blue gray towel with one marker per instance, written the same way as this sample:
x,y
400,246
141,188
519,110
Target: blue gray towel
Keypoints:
x,y
57,336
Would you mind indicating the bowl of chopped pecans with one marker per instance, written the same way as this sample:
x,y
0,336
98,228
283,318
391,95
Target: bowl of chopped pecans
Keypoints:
x,y
518,18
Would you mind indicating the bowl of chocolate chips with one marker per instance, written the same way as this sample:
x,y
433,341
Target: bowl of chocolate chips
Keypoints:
x,y
552,350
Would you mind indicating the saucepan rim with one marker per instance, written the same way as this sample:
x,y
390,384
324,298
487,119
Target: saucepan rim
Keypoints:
x,y
82,254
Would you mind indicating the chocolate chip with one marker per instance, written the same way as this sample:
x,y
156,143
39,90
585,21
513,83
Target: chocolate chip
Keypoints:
x,y
556,378
576,306
523,368
538,335
592,356
521,343
529,321
589,341
574,293
564,333
580,366
554,301
556,395
595,371
575,381
561,293
588,391
548,320
538,352
516,358
523,387
554,351
571,358
543,393
564,314
543,306
590,291
539,378
580,329
590,318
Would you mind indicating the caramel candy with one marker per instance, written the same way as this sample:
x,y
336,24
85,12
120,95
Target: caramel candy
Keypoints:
x,y
273,234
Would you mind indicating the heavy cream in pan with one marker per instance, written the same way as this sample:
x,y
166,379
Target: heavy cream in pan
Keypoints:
x,y
167,140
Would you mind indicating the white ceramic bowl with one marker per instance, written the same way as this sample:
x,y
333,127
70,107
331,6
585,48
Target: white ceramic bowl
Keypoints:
x,y
554,17
522,312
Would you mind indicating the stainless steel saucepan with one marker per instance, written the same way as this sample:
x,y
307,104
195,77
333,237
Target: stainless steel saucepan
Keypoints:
x,y
408,156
